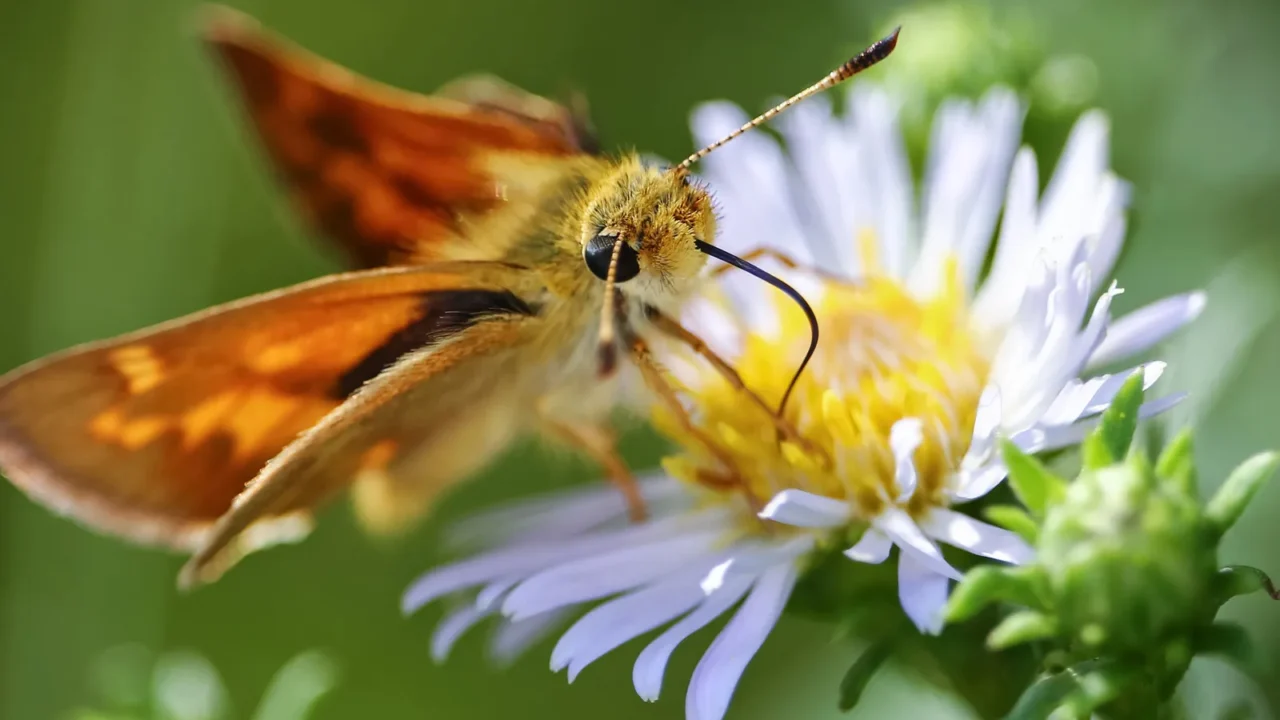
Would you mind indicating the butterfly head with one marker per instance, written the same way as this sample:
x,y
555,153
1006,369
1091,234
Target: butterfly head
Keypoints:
x,y
652,220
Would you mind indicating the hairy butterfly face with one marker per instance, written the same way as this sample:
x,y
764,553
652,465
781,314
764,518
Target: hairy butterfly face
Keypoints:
x,y
658,216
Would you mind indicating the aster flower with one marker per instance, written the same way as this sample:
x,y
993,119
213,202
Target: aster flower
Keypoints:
x,y
925,361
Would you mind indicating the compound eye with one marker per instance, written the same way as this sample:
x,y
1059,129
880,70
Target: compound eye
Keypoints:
x,y
599,251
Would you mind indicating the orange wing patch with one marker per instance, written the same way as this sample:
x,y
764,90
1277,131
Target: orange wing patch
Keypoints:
x,y
391,176
152,435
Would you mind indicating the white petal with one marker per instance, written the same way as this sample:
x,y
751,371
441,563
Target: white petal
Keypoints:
x,y
804,509
652,663
904,532
452,627
822,157
922,592
1089,397
1074,185
514,637
999,296
872,548
978,481
1141,329
607,573
717,674
904,438
614,623
1041,439
752,181
880,188
977,537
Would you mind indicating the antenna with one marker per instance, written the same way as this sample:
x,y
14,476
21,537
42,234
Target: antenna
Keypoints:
x,y
863,60
608,351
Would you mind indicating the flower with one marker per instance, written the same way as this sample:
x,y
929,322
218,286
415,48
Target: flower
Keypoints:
x,y
925,361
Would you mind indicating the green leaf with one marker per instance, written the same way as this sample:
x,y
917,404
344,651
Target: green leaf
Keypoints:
x,y
1021,627
1234,580
1014,519
1231,642
1110,442
987,584
860,673
1238,489
1034,484
1177,464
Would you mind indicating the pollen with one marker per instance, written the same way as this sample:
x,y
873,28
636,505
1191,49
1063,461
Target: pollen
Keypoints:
x,y
884,356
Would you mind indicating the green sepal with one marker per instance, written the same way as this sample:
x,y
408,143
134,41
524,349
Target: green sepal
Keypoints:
x,y
1015,520
1234,580
1020,627
1035,485
987,584
1110,442
1177,464
1226,506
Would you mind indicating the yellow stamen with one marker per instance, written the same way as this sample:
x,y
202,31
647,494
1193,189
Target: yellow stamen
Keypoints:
x,y
884,356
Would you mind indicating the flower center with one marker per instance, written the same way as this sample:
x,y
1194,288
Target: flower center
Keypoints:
x,y
884,356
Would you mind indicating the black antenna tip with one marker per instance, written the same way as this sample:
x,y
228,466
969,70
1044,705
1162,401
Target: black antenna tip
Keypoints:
x,y
890,41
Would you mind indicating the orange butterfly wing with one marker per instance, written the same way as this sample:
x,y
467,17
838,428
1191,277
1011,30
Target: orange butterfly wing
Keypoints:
x,y
391,176
153,434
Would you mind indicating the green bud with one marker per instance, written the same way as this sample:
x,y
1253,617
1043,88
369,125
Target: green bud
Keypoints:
x,y
1129,558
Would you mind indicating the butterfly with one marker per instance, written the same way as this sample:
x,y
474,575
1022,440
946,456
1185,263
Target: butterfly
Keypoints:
x,y
503,267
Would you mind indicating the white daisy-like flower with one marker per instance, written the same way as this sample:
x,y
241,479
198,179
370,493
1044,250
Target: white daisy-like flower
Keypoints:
x,y
930,352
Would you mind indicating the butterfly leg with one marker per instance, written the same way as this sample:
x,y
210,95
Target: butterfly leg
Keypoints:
x,y
655,378
601,446
672,328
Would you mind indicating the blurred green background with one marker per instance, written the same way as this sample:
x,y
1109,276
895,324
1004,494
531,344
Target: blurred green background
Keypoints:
x,y
131,194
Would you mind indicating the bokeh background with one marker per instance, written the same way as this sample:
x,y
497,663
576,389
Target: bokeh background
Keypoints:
x,y
130,192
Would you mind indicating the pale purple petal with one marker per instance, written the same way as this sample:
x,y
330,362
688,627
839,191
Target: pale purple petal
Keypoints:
x,y
922,592
652,663
453,626
872,548
717,674
1141,329
504,563
617,621
605,574
514,637
563,514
